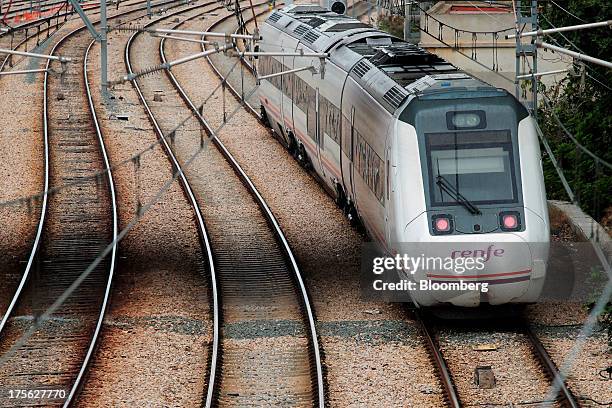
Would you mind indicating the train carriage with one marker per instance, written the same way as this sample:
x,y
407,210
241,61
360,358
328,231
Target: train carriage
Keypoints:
x,y
415,148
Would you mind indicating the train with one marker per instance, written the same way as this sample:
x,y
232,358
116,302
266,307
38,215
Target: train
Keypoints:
x,y
418,151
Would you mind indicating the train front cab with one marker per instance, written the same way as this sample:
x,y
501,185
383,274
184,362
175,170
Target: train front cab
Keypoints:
x,y
468,180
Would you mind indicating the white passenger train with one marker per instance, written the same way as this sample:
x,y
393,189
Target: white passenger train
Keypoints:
x,y
418,150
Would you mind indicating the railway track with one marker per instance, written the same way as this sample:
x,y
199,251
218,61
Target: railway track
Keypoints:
x,y
34,34
259,283
75,224
40,204
21,7
453,396
236,83
20,38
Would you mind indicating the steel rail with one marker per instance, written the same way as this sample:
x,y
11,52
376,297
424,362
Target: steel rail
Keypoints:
x,y
566,398
26,274
111,186
204,236
550,367
444,374
443,370
27,38
24,7
273,222
78,382
33,252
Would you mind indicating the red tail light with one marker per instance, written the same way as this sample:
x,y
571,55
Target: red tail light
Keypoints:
x,y
442,224
510,221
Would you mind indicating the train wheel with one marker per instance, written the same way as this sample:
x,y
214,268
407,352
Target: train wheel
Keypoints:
x,y
340,196
292,145
302,157
264,118
351,213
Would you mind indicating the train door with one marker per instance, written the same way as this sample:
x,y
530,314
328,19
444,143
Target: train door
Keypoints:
x,y
311,142
346,153
352,163
282,98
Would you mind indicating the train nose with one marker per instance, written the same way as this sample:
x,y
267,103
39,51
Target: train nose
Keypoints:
x,y
466,270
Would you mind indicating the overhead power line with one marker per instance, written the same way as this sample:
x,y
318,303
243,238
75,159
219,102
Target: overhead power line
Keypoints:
x,y
573,138
567,12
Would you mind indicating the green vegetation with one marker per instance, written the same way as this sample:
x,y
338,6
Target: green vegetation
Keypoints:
x,y
584,106
393,25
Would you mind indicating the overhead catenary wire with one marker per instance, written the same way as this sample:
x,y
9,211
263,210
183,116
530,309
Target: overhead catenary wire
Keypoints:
x,y
587,328
127,161
136,156
547,31
567,12
569,134
572,137
456,48
574,54
602,301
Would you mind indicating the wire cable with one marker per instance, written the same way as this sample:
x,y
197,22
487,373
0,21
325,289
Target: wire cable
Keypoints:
x,y
566,11
572,137
54,190
590,68
83,276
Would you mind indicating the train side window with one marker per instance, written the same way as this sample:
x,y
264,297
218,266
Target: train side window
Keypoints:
x,y
311,124
346,137
369,165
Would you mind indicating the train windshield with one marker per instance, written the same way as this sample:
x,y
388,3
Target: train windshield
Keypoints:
x,y
472,167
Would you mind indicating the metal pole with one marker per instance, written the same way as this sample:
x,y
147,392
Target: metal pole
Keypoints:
x,y
574,54
27,71
562,29
539,74
204,33
282,54
174,37
517,52
291,71
103,49
149,12
33,55
407,21
198,55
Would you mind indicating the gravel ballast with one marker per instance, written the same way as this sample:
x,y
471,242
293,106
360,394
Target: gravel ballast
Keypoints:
x,y
328,250
156,338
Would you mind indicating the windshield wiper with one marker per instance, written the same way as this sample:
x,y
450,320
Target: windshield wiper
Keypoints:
x,y
455,194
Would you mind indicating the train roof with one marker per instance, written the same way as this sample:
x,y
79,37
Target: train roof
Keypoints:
x,y
388,67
